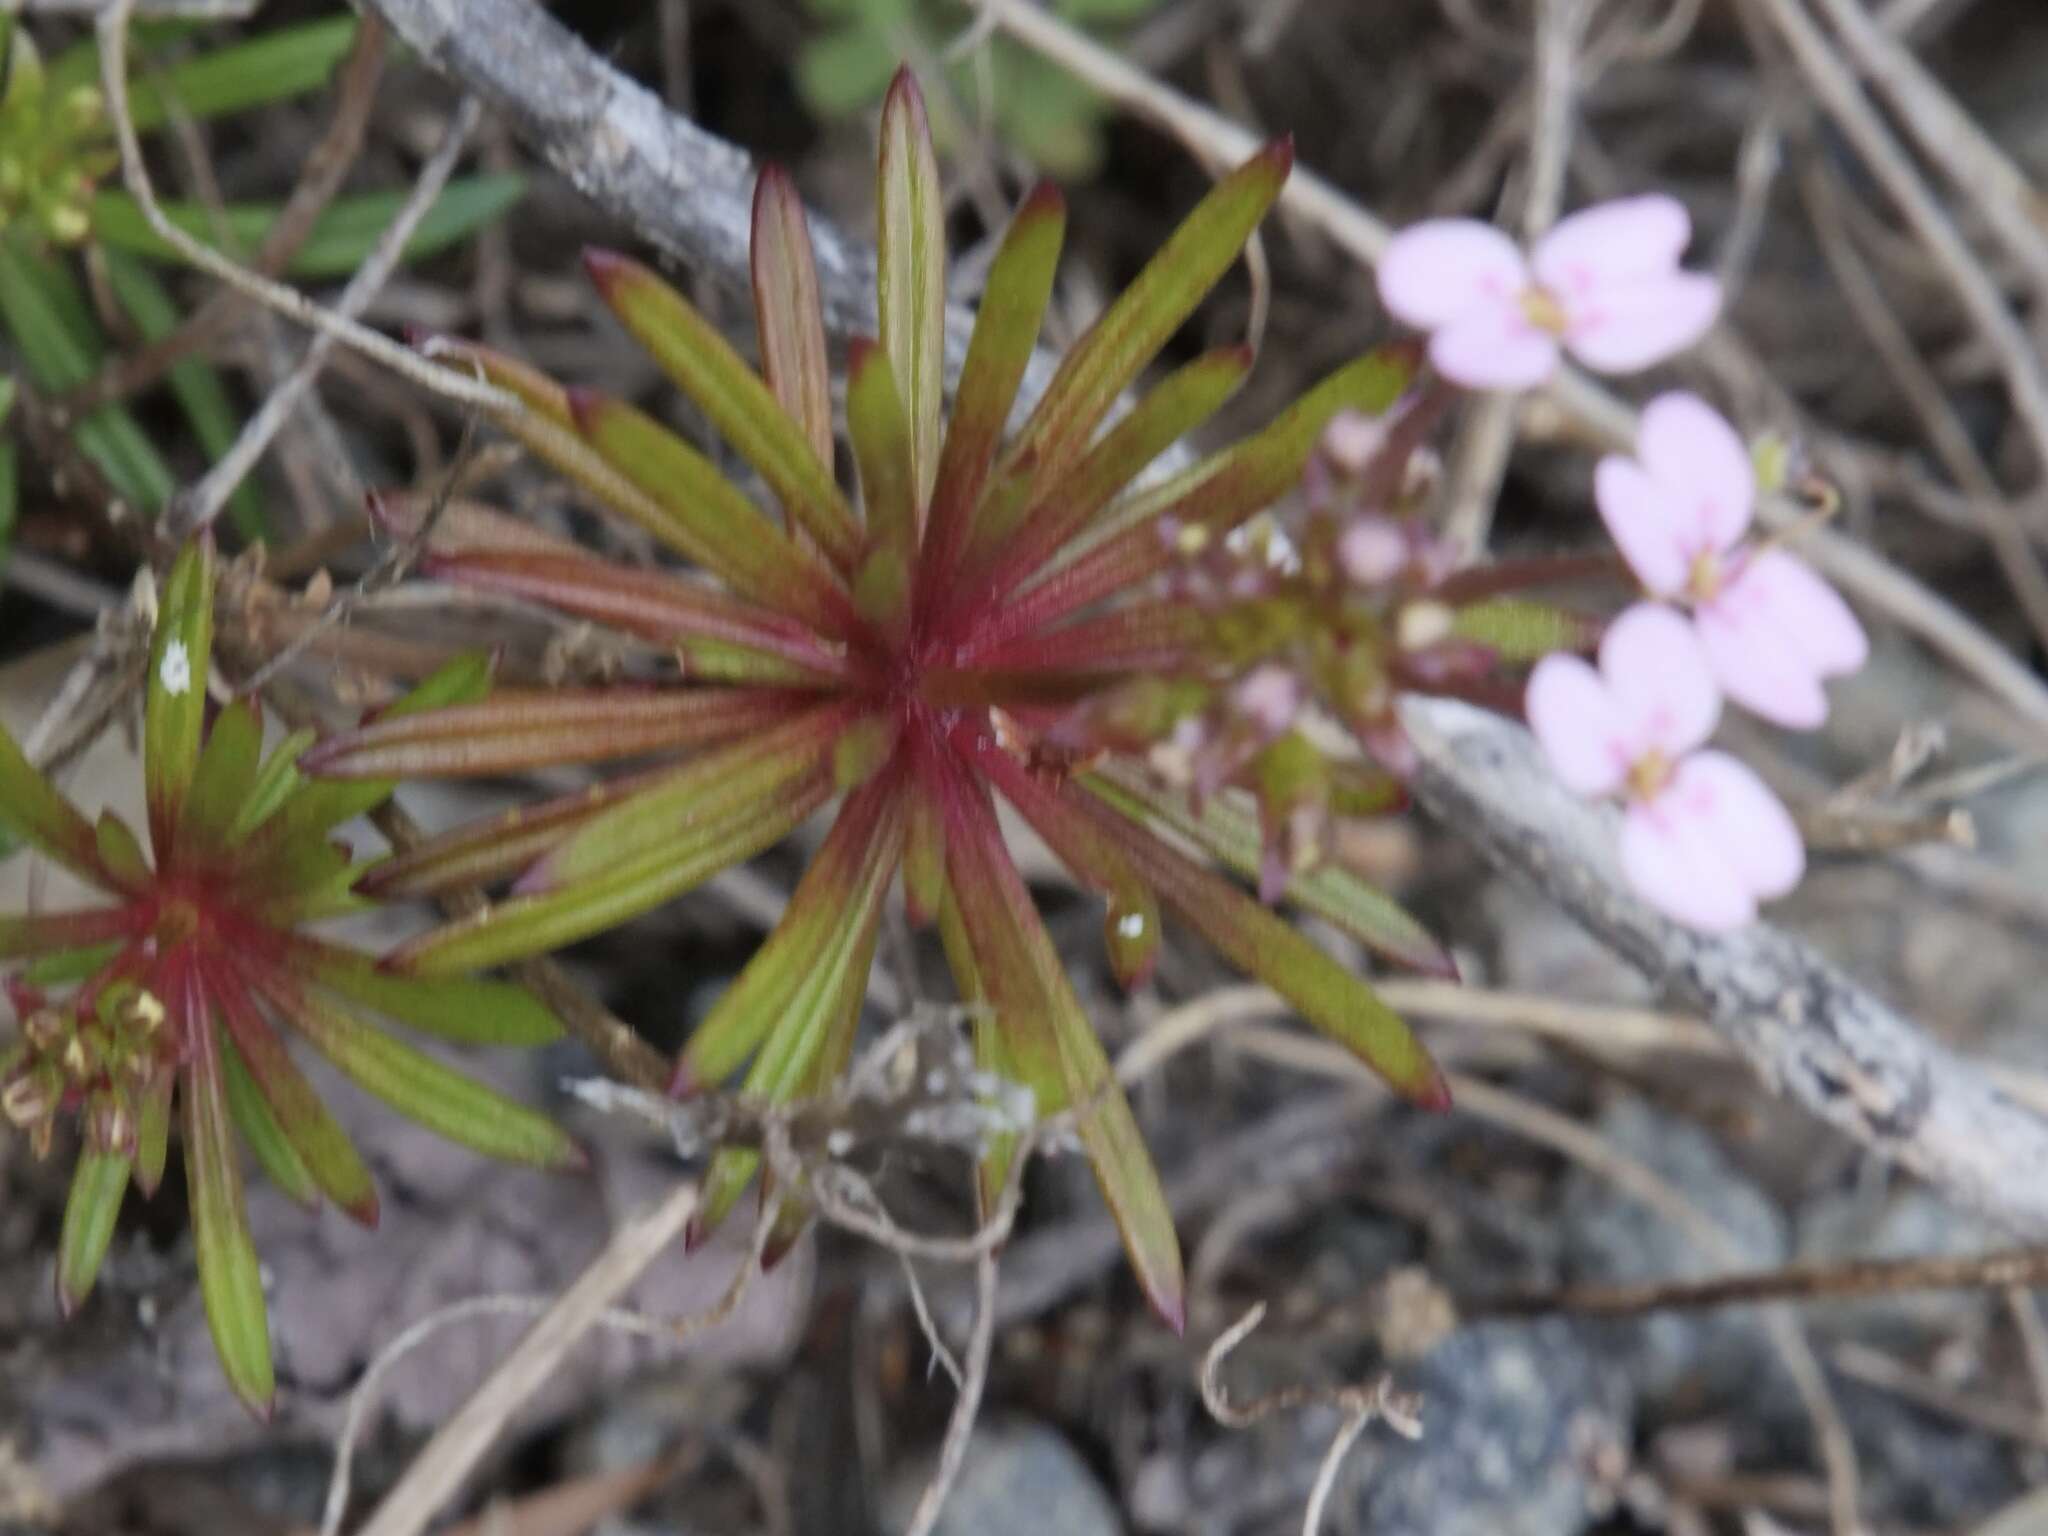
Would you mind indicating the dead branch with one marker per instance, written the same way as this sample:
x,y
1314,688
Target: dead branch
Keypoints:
x,y
1808,1030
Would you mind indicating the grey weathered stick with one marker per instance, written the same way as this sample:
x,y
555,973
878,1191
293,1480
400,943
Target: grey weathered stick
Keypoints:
x,y
1807,1029
1804,1026
449,1457
687,191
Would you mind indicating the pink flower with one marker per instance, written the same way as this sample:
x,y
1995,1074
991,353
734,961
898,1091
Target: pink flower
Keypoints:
x,y
1270,696
1604,283
1773,630
1703,839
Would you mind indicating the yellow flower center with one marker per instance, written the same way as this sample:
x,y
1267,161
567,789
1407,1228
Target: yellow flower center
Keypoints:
x,y
1648,775
1543,309
1703,582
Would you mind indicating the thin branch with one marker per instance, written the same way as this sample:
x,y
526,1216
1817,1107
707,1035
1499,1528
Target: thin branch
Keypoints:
x,y
1982,171
1361,1406
320,177
973,1381
1808,1030
1890,164
279,297
2019,1267
448,1458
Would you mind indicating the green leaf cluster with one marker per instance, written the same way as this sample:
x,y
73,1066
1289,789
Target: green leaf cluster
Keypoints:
x,y
174,994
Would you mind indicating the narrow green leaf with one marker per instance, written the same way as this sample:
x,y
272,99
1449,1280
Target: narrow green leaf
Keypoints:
x,y
198,388
1071,501
518,731
423,1089
705,514
1217,494
1005,330
924,856
180,652
320,1146
1144,637
706,368
97,1189
1048,1040
344,234
153,1132
493,848
222,781
910,273
314,808
1521,629
840,892
787,311
68,967
805,1049
10,484
886,457
1144,317
287,62
258,1126
657,606
691,509
1231,834
275,782
230,1281
465,1010
1131,918
52,325
700,791
533,925
120,853
1272,950
33,810
39,933
991,1052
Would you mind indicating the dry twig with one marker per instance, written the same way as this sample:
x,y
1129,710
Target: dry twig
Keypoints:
x,y
1359,1404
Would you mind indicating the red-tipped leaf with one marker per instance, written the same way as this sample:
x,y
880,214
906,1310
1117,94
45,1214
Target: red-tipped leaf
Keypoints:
x,y
910,271
1006,329
1050,1043
1144,317
743,409
533,925
787,312
230,1281
514,732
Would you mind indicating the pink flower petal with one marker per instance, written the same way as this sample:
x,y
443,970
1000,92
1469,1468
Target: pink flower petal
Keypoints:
x,y
1673,864
1632,326
1638,513
1757,672
1577,726
1745,823
1774,632
1351,439
1660,680
1437,270
1493,347
1617,242
1811,612
1373,550
1691,450
1269,696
